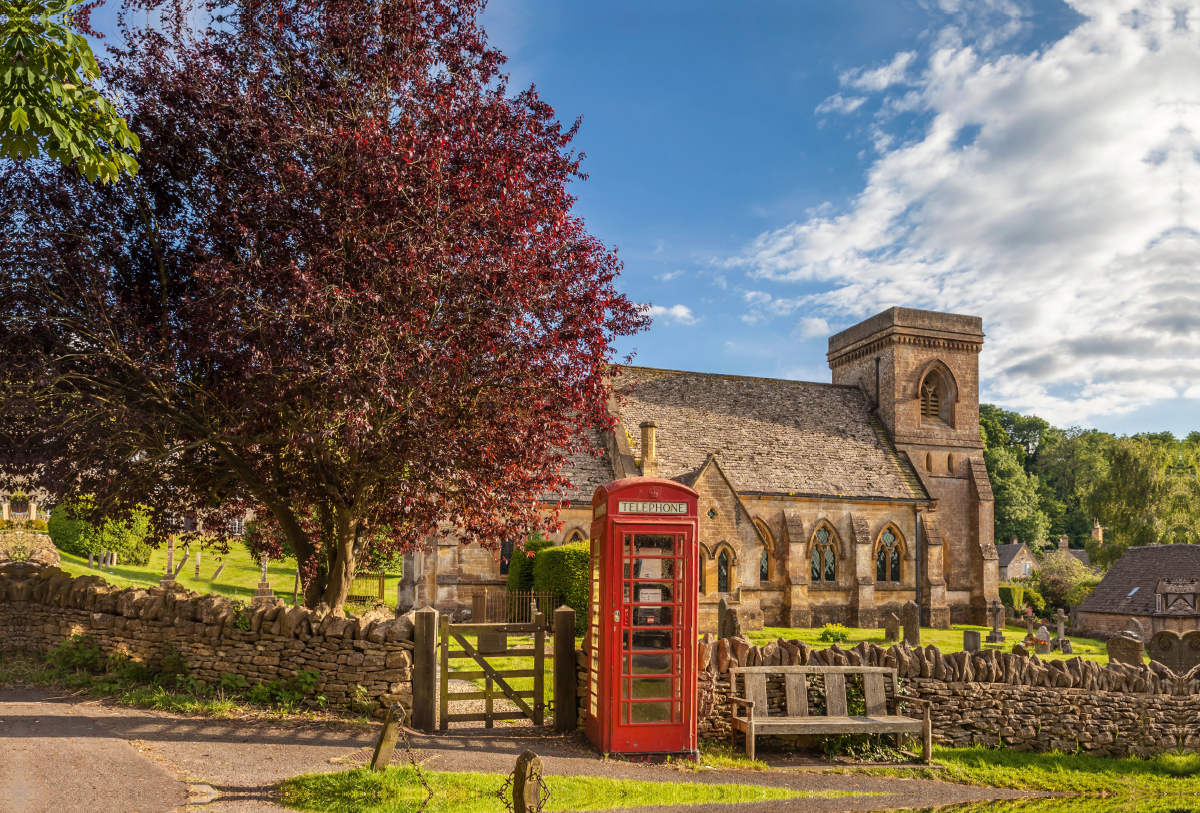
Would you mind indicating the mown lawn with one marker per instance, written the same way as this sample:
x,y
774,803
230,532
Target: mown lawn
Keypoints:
x,y
237,580
948,641
397,790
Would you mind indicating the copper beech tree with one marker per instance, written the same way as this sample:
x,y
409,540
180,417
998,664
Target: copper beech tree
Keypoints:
x,y
345,289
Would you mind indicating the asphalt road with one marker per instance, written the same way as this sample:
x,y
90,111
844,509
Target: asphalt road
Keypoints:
x,y
63,755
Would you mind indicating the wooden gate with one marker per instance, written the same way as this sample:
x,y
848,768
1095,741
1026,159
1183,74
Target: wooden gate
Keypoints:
x,y
493,640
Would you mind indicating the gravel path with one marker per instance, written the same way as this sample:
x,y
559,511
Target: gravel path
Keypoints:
x,y
142,762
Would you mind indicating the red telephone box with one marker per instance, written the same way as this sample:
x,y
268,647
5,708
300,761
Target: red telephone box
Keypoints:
x,y
641,638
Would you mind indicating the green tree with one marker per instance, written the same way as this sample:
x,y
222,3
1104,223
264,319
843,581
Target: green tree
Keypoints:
x,y
47,101
1070,462
71,533
1017,508
1059,575
1023,434
1130,498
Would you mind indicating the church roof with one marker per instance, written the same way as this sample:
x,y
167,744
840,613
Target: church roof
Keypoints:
x,y
1129,587
771,436
586,473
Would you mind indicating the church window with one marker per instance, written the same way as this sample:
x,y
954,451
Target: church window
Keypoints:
x,y
928,462
576,536
765,559
764,566
506,552
887,558
723,572
824,557
712,513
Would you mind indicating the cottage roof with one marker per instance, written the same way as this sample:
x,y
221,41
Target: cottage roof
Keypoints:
x,y
770,435
1082,556
1130,585
1007,553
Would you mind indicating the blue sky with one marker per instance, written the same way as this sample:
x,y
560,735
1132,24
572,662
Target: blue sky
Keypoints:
x,y
774,171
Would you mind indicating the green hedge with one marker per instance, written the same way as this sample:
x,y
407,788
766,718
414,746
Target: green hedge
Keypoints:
x,y
520,569
80,538
564,570
1012,595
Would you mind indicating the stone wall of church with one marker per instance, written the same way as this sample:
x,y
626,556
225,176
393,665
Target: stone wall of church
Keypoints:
x,y
41,608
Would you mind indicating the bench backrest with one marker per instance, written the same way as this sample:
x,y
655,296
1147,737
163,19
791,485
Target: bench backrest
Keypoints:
x,y
795,684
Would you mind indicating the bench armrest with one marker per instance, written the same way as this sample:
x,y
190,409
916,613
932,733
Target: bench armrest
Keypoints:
x,y
916,701
738,701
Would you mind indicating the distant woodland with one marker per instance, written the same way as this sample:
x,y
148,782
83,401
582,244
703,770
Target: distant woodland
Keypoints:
x,y
1050,481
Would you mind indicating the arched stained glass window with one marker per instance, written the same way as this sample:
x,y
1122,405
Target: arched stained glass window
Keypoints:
x,y
824,557
723,572
764,566
887,558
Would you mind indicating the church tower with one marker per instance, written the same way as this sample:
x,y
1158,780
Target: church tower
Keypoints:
x,y
920,371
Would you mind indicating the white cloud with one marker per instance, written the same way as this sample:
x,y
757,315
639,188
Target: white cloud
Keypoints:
x,y
1057,194
837,103
681,314
893,73
812,326
720,282
669,276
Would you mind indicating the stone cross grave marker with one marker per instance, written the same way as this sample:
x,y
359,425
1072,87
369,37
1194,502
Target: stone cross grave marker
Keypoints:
x,y
263,594
1125,650
1179,653
910,616
970,640
1029,629
891,627
996,611
1060,618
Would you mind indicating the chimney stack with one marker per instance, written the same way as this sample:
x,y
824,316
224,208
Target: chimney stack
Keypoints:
x,y
649,449
1064,542
1097,531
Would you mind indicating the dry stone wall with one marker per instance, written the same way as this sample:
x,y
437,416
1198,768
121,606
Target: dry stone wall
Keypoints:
x,y
42,607
988,698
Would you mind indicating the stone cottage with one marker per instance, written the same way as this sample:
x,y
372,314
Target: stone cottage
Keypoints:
x,y
1156,584
1016,560
819,503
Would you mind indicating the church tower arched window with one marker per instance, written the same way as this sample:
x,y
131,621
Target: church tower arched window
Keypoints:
x,y
824,557
932,393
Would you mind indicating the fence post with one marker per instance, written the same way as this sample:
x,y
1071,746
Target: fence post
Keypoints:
x,y
479,608
424,716
565,702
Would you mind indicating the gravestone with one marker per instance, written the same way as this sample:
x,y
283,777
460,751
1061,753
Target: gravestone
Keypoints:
x,y
1030,631
1125,650
996,611
910,616
1042,634
91,561
970,640
1064,646
220,567
891,627
1179,653
722,609
731,626
263,594
1134,629
1060,619
169,576
197,564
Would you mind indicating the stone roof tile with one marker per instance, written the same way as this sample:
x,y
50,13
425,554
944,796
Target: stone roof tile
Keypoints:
x,y
1128,588
770,435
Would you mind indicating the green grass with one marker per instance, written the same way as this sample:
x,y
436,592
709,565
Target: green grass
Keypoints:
x,y
238,579
1163,775
397,790
520,684
948,641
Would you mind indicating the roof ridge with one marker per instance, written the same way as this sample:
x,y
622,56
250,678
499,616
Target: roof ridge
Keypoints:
x,y
742,377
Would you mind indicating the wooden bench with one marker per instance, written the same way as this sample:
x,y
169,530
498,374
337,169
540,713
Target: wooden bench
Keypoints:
x,y
879,688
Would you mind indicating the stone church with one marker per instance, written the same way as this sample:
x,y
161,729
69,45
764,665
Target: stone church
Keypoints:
x,y
819,503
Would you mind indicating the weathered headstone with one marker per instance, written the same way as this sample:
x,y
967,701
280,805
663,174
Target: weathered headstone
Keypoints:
x,y
910,616
197,564
387,737
891,627
1042,634
169,574
1064,646
1030,631
1060,618
91,561
220,567
996,611
1134,629
722,608
527,783
970,640
732,626
1125,650
1179,653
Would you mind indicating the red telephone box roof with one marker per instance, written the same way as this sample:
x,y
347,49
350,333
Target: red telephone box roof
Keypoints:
x,y
605,492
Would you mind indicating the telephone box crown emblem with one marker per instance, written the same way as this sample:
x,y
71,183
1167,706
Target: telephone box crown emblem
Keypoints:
x,y
655,491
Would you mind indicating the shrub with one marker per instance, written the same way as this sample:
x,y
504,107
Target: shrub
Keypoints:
x,y
1034,599
520,569
1059,574
78,653
38,524
76,536
1081,591
834,634
564,570
1012,595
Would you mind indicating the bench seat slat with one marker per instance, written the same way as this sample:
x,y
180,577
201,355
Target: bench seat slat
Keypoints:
x,y
756,691
875,695
822,726
795,689
835,695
